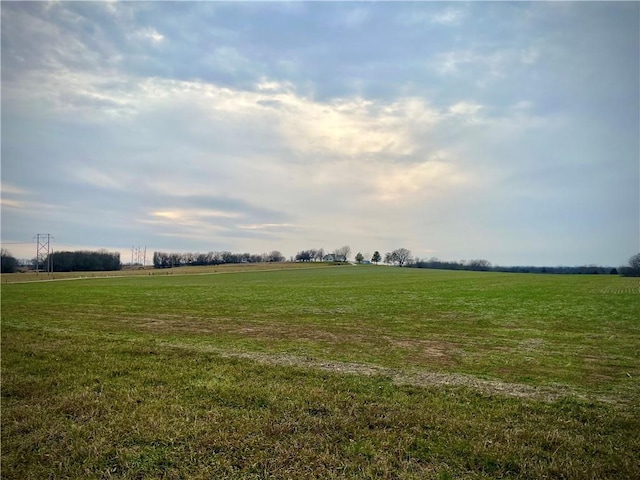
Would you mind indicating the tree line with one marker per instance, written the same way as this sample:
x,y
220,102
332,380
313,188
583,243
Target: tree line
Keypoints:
x,y
318,254
83,261
401,257
632,269
170,260
104,260
78,261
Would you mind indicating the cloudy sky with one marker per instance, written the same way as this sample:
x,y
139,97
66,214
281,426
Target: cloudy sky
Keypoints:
x,y
503,131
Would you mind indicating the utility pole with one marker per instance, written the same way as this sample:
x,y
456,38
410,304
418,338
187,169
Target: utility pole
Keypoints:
x,y
43,250
139,256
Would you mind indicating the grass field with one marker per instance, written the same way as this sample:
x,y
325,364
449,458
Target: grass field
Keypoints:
x,y
336,372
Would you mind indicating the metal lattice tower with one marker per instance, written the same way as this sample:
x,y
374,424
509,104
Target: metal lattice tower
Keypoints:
x,y
139,255
43,250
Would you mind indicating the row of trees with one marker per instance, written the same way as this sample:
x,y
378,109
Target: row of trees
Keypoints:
x,y
83,261
79,261
632,269
400,257
104,260
476,265
318,254
169,260
311,255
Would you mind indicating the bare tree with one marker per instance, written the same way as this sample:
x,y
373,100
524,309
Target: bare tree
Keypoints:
x,y
478,264
633,267
401,256
343,251
276,256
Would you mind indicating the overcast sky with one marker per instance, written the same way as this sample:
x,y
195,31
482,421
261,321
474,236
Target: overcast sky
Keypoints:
x,y
503,131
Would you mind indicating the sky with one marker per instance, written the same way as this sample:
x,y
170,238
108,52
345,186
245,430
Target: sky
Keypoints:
x,y
502,131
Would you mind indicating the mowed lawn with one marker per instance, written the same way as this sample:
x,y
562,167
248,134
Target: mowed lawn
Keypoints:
x,y
335,372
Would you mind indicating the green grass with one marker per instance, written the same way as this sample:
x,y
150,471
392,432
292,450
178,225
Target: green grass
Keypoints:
x,y
322,373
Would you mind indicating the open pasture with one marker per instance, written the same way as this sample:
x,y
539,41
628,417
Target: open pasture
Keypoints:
x,y
345,372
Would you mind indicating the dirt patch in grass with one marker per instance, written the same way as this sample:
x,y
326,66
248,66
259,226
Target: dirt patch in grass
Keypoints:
x,y
435,351
414,377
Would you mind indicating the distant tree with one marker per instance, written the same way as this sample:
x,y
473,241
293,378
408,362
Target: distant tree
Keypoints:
x,y
304,256
400,257
9,262
343,251
359,257
175,259
633,267
376,257
276,256
480,265
158,258
255,258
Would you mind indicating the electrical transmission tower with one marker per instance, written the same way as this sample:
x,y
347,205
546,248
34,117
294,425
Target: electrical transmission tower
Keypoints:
x,y
139,256
43,252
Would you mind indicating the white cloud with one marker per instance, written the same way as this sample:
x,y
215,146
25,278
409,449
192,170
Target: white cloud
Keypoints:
x,y
265,226
449,16
369,150
353,18
465,109
425,17
344,127
101,178
484,64
529,55
11,203
188,214
6,188
423,179
189,222
149,34
356,127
